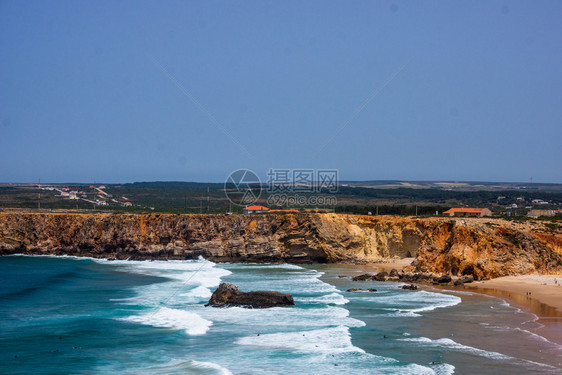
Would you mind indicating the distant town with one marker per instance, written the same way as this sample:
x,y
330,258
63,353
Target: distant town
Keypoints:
x,y
96,195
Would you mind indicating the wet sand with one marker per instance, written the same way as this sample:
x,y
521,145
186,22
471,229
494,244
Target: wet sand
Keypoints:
x,y
524,289
537,294
540,295
480,321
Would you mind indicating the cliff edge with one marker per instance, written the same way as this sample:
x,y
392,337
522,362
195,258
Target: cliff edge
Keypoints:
x,y
483,248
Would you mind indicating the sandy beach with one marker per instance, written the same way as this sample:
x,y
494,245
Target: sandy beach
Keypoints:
x,y
542,294
526,290
537,294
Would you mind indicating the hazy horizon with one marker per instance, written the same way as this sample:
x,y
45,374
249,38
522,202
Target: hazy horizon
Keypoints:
x,y
264,181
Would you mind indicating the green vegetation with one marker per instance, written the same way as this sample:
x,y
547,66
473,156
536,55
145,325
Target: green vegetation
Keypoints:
x,y
192,197
402,209
552,226
513,239
482,198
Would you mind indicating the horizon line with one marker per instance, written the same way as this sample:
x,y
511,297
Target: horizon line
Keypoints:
x,y
339,182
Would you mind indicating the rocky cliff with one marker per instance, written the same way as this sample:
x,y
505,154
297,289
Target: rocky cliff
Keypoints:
x,y
483,248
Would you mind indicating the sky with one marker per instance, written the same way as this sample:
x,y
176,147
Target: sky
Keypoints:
x,y
128,91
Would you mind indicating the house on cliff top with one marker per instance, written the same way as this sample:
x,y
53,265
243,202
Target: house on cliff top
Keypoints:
x,y
468,212
254,210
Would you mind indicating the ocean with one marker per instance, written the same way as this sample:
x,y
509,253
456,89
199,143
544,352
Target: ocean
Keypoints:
x,y
68,315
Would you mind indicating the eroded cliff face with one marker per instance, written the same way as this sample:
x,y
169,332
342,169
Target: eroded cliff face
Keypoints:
x,y
453,246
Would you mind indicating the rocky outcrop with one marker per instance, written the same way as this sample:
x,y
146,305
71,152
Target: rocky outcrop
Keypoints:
x,y
467,247
409,287
415,277
228,295
481,248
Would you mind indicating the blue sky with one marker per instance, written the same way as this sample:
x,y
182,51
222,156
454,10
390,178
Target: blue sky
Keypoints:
x,y
192,90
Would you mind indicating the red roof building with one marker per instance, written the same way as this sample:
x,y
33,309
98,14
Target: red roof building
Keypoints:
x,y
254,209
468,212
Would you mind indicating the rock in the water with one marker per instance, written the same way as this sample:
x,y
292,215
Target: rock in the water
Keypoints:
x,y
410,287
381,276
228,295
363,277
361,290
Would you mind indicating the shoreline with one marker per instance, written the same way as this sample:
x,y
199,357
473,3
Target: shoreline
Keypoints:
x,y
540,293
543,301
527,291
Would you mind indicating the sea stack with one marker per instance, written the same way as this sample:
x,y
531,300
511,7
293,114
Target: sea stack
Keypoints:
x,y
228,295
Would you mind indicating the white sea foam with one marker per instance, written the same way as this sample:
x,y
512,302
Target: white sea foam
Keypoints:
x,y
200,272
175,366
189,281
327,340
164,317
304,283
189,284
443,369
52,256
328,299
206,366
421,301
175,293
266,319
459,292
330,347
200,291
453,345
285,266
539,337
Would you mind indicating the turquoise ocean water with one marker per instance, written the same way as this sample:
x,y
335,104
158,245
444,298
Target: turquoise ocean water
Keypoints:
x,y
66,315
